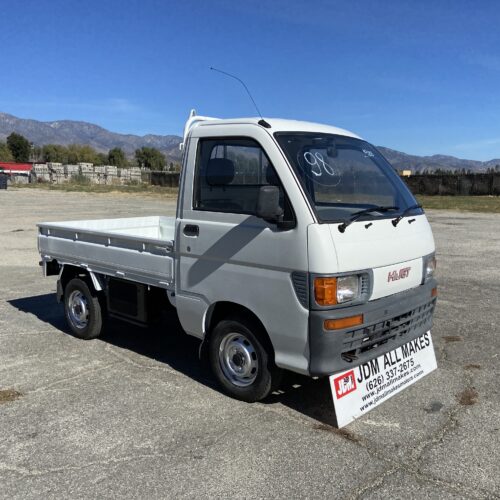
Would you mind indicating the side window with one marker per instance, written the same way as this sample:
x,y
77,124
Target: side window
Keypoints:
x,y
229,174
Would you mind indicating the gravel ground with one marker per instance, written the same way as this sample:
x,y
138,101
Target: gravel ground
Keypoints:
x,y
134,415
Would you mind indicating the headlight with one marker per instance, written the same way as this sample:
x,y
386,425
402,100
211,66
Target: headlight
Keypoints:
x,y
429,267
347,288
333,291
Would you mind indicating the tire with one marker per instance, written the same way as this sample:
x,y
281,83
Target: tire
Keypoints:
x,y
241,361
82,310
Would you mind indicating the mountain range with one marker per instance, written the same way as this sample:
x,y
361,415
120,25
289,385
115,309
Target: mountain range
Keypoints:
x,y
403,161
76,132
66,132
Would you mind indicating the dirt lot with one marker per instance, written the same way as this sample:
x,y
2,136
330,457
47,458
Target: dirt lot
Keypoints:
x,y
134,415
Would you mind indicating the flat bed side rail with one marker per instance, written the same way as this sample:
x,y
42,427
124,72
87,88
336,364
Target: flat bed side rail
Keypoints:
x,y
140,259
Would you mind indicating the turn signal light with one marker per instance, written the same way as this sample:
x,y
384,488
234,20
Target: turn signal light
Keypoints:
x,y
325,291
338,324
434,292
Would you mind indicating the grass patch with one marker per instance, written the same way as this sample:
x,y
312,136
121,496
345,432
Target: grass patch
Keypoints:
x,y
490,204
132,188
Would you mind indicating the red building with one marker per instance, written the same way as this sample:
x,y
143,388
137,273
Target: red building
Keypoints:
x,y
12,168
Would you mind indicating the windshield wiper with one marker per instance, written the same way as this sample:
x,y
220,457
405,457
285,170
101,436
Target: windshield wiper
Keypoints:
x,y
397,220
356,215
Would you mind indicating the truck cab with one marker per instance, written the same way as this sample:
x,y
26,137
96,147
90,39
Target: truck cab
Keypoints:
x,y
295,246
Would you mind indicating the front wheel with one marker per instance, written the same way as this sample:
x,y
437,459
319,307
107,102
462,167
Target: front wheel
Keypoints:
x,y
82,310
240,361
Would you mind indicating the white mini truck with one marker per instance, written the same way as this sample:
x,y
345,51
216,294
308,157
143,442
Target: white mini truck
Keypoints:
x,y
295,246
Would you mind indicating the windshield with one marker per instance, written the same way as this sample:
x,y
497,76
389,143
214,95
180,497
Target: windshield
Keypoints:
x,y
343,175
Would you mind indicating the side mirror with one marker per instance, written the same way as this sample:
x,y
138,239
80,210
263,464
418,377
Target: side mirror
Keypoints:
x,y
268,204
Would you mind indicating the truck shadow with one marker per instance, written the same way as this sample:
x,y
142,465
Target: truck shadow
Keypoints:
x,y
167,343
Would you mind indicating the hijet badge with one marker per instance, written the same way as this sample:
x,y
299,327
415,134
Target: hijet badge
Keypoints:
x,y
360,389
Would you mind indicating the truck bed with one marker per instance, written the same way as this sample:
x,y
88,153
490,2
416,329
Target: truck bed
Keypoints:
x,y
136,248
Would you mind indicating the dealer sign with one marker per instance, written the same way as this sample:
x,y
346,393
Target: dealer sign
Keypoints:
x,y
359,390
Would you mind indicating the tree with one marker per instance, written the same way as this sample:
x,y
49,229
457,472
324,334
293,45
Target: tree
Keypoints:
x,y
150,158
117,157
73,156
5,154
54,153
101,159
19,147
37,153
88,154
82,153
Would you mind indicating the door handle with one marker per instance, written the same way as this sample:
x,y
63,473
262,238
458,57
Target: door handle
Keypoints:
x,y
191,230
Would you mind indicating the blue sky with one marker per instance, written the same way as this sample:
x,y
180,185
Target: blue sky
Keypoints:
x,y
421,77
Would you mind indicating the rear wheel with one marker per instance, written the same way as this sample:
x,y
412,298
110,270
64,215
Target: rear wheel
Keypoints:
x,y
241,361
82,310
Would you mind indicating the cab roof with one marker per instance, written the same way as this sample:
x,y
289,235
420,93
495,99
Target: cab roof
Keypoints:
x,y
276,125
281,125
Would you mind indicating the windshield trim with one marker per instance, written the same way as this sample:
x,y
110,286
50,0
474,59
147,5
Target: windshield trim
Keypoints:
x,y
393,179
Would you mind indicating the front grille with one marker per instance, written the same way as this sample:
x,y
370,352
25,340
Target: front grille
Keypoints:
x,y
361,340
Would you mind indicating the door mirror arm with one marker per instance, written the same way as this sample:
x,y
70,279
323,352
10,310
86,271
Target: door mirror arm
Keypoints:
x,y
285,225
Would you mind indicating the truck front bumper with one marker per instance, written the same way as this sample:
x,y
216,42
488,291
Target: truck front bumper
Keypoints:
x,y
389,322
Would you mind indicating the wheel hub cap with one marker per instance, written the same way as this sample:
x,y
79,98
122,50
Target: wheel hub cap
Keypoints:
x,y
78,309
238,359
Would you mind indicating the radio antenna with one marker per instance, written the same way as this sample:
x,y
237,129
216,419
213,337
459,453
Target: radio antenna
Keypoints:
x,y
261,121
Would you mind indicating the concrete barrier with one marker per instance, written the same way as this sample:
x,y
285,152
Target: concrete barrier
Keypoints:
x,y
57,173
